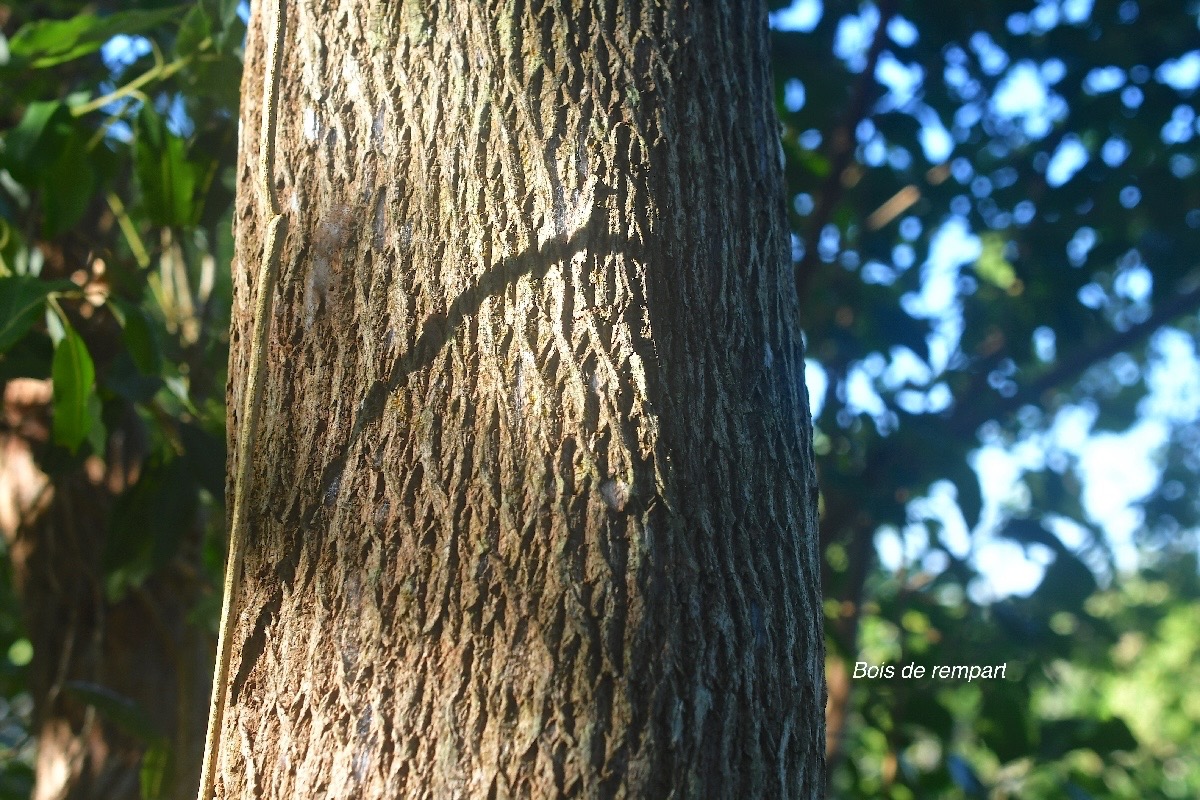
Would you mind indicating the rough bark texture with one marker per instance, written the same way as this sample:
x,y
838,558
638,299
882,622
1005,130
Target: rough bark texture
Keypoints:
x,y
534,508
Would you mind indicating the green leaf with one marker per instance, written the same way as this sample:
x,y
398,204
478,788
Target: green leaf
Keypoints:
x,y
217,79
97,436
21,140
167,179
45,43
26,147
992,265
155,772
213,28
193,31
56,326
224,10
22,300
68,184
74,377
217,19
47,150
14,255
138,335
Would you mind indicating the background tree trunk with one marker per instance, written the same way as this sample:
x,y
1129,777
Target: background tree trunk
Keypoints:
x,y
107,674
534,506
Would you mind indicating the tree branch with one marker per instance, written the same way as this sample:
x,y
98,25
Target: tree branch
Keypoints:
x,y
841,150
966,418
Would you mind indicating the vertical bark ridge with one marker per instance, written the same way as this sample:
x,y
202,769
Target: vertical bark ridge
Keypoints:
x,y
536,495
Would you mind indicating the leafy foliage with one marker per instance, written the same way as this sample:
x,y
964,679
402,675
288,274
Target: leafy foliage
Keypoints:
x,y
996,206
47,43
116,174
73,374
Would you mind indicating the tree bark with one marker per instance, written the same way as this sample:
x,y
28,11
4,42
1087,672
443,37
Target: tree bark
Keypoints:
x,y
533,510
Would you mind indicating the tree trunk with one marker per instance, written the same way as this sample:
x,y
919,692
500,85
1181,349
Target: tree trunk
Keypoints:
x,y
533,509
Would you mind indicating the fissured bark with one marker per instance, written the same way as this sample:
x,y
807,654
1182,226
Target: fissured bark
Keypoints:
x,y
533,499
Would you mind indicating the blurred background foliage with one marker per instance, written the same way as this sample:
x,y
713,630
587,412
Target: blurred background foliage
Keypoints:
x,y
997,216
997,213
118,128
